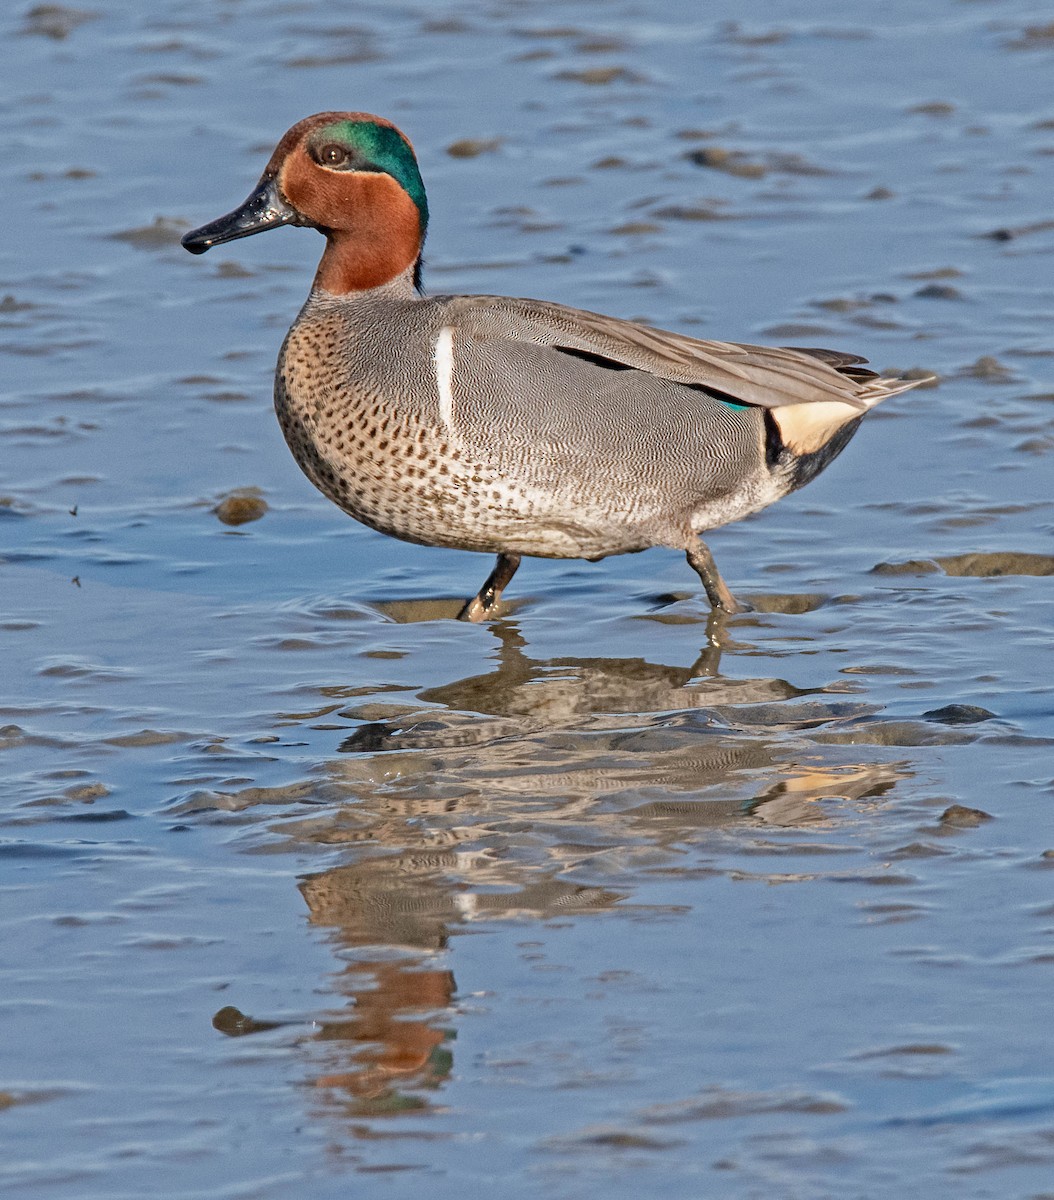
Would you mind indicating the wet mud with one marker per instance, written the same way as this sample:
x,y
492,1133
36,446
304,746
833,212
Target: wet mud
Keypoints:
x,y
307,888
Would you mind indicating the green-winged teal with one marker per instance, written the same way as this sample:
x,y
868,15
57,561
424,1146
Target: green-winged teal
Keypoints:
x,y
517,426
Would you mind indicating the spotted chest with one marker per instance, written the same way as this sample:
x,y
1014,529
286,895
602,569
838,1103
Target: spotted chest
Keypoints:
x,y
388,462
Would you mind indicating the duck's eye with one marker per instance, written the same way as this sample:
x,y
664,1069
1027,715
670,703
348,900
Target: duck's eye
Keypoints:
x,y
332,154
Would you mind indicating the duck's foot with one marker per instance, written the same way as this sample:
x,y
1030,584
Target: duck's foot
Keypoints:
x,y
702,563
482,605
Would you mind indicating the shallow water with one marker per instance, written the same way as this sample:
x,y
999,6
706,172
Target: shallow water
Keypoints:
x,y
307,888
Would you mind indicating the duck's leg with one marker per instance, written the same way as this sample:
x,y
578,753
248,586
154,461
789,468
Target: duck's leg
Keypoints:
x,y
702,563
481,605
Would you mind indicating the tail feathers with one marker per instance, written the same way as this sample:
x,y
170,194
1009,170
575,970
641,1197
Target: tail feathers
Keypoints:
x,y
839,359
873,386
806,428
877,389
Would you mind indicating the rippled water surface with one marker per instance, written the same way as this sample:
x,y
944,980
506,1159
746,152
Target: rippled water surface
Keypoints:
x,y
307,889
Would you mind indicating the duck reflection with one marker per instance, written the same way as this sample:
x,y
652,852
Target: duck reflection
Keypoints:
x,y
565,688
591,738
392,915
540,789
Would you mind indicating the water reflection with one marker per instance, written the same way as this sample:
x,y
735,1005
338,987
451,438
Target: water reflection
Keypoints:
x,y
541,789
391,917
565,688
391,914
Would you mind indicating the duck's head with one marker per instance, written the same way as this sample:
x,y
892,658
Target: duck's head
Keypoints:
x,y
353,177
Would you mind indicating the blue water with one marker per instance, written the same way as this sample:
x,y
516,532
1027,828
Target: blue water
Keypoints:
x,y
307,889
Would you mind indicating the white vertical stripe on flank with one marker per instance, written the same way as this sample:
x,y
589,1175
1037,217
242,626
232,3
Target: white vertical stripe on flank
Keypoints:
x,y
444,356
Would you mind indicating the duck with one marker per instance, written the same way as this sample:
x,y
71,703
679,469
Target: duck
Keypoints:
x,y
517,427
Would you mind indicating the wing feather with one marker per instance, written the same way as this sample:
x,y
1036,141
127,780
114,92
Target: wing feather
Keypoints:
x,y
763,376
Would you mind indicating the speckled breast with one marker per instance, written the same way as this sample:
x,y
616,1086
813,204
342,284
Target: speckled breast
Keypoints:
x,y
388,461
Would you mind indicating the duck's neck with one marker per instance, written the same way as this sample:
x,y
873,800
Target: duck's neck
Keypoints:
x,y
402,286
382,242
351,263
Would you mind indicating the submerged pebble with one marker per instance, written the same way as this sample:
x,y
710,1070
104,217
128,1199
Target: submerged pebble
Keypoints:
x,y
959,816
958,714
473,147
163,231
239,508
977,565
56,21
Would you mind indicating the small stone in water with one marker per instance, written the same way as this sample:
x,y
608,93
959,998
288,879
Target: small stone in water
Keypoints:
x,y
961,817
472,147
938,291
240,509
958,714
988,367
